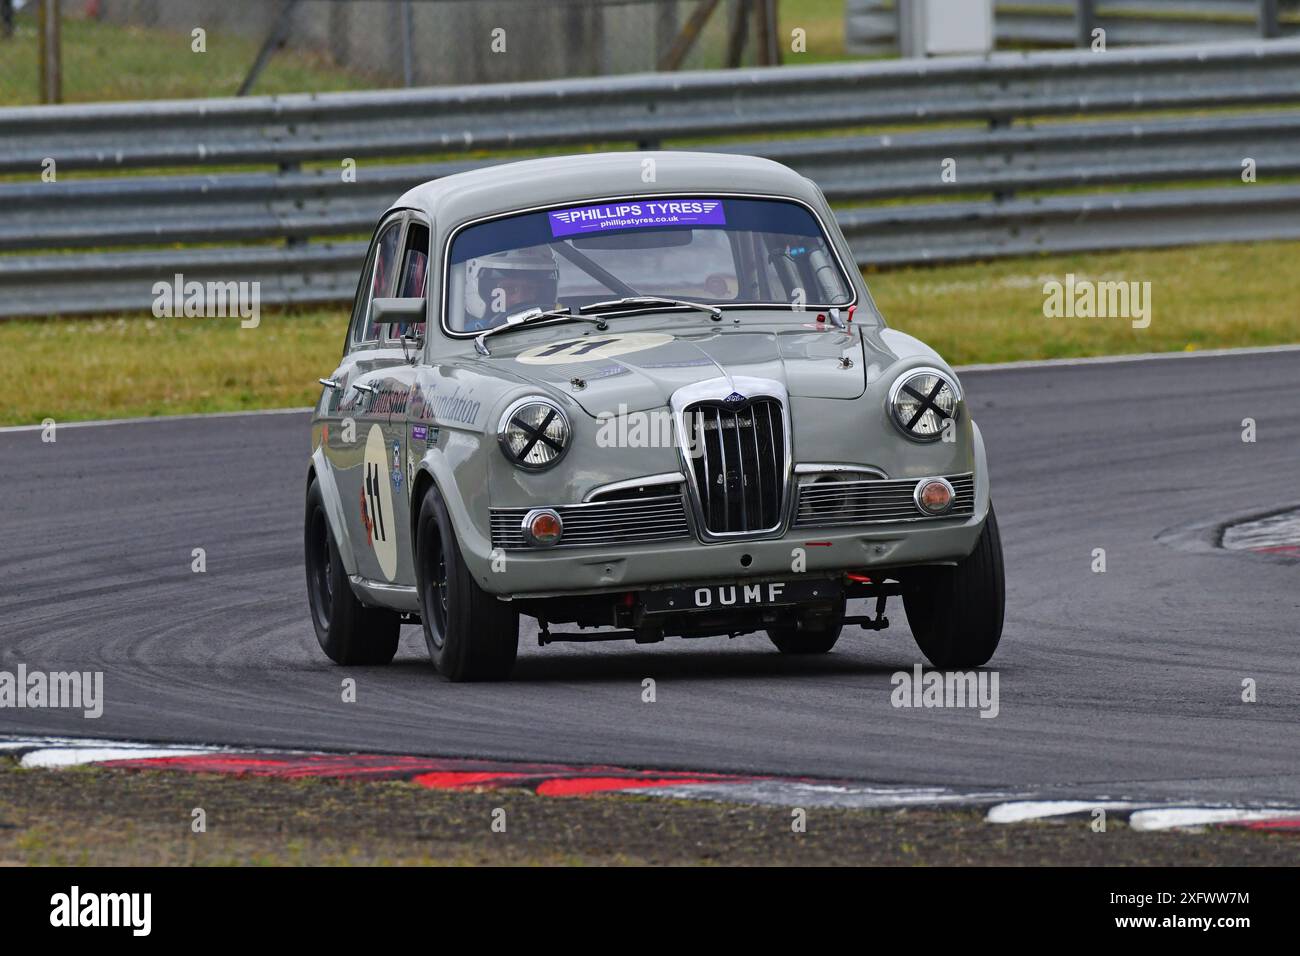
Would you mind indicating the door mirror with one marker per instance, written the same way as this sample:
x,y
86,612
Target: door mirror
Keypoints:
x,y
399,311
405,321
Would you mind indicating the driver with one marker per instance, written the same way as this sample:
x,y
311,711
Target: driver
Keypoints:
x,y
504,283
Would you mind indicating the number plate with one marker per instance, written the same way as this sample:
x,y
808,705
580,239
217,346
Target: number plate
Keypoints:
x,y
736,597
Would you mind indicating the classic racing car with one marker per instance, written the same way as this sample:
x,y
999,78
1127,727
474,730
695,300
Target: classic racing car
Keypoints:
x,y
641,395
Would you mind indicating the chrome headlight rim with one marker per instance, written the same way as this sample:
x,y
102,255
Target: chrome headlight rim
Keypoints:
x,y
527,527
508,419
903,379
920,505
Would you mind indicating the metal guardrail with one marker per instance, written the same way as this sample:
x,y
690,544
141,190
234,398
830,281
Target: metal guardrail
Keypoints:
x,y
871,26
1030,137
304,205
640,109
963,231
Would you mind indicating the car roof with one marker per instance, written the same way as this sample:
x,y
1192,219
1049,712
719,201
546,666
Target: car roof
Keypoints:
x,y
591,176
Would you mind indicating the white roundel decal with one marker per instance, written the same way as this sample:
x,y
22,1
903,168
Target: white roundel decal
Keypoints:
x,y
377,516
588,348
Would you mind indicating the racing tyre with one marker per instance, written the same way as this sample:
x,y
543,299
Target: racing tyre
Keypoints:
x,y
816,640
956,612
471,635
348,631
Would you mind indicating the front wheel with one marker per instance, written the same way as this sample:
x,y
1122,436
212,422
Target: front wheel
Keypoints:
x,y
956,612
348,631
471,635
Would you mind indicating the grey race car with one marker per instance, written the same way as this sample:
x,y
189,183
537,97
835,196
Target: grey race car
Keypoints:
x,y
646,394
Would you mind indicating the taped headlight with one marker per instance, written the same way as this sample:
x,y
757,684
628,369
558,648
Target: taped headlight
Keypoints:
x,y
921,401
534,433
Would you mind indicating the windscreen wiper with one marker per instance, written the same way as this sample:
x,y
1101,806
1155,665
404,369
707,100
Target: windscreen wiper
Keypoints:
x,y
532,317
634,302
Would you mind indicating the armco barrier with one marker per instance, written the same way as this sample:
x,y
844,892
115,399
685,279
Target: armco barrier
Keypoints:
x,y
1017,126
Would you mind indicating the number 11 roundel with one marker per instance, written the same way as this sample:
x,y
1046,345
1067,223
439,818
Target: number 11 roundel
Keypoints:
x,y
591,348
377,503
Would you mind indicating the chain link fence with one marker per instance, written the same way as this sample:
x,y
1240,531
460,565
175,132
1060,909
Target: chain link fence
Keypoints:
x,y
95,50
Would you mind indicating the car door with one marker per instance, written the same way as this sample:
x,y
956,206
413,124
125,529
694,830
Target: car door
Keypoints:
x,y
358,448
398,380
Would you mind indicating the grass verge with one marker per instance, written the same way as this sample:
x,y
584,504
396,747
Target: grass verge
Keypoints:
x,y
1201,297
106,62
95,816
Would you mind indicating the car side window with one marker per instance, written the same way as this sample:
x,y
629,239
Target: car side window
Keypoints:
x,y
412,279
383,270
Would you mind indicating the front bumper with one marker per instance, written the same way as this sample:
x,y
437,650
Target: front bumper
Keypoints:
x,y
597,570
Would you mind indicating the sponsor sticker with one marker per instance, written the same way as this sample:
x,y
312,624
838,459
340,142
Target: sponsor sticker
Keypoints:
x,y
610,217
420,432
454,408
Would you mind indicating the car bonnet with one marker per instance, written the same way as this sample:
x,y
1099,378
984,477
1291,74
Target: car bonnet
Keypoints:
x,y
616,371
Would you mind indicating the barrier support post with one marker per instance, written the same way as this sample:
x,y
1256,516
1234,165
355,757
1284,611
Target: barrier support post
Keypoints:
x,y
50,61
1269,28
1085,19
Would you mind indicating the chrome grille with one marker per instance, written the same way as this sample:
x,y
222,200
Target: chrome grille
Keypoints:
x,y
739,464
622,521
827,501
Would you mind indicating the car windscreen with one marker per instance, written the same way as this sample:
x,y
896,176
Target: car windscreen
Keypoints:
x,y
719,251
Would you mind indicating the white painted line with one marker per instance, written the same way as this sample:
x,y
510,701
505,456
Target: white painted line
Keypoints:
x,y
1169,817
160,418
1280,530
15,744
786,793
72,751
77,756
1136,357
1023,810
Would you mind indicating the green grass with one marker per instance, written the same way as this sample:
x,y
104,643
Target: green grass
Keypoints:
x,y
1202,297
105,61
131,366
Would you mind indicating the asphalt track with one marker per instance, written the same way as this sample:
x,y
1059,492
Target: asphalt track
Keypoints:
x,y
1126,682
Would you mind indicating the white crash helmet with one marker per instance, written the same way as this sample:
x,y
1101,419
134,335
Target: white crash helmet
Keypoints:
x,y
482,274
